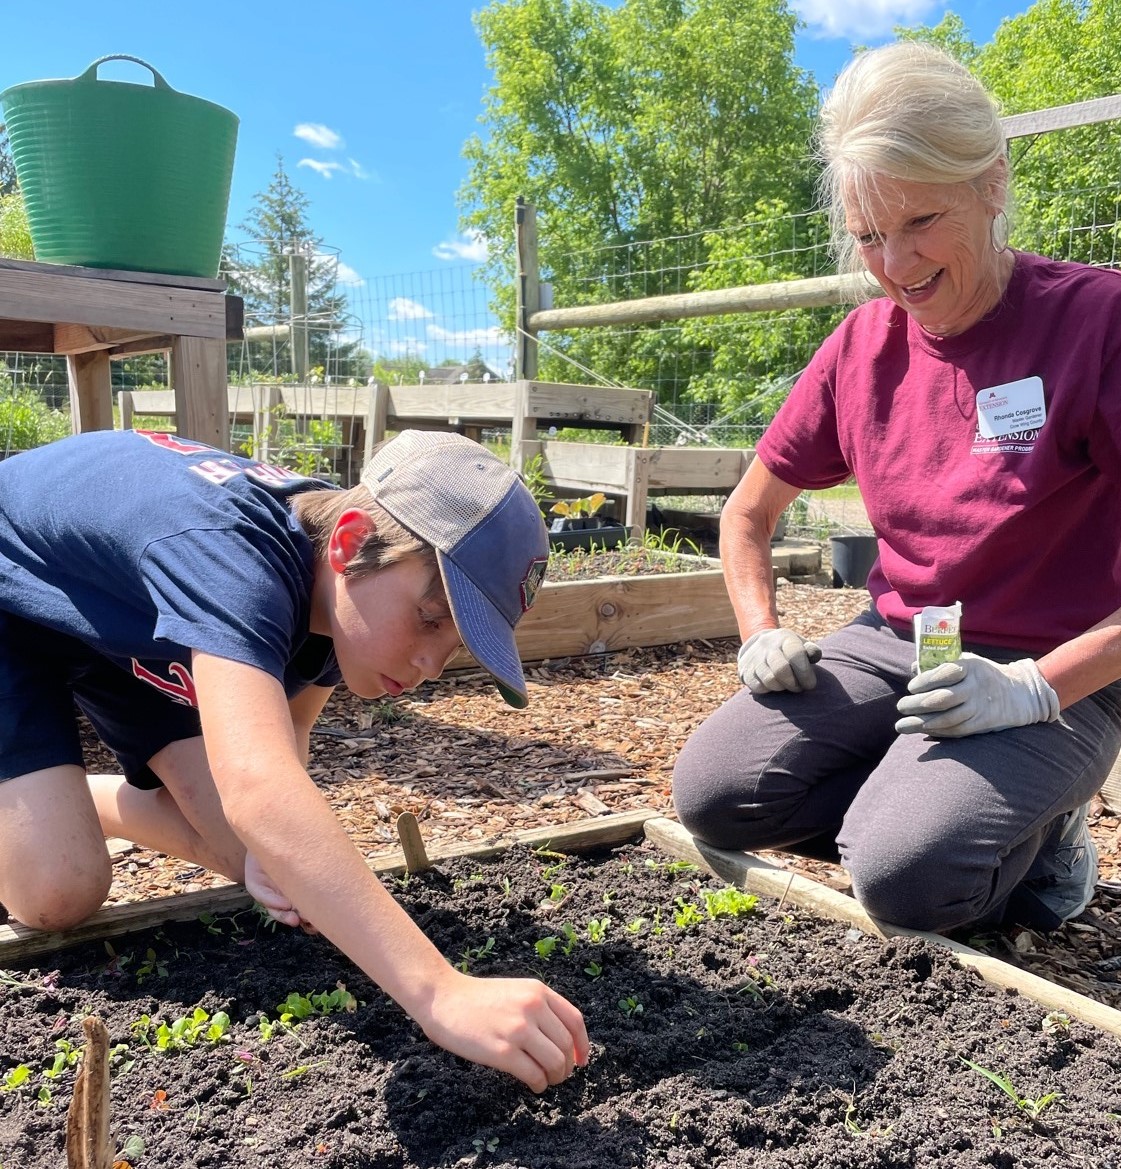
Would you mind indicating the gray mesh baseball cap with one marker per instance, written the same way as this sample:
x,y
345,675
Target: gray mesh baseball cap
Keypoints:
x,y
488,532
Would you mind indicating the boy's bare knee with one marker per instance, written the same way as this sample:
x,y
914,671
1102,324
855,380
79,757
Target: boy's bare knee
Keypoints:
x,y
58,901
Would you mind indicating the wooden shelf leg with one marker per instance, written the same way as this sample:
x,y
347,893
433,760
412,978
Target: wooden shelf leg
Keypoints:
x,y
198,373
91,391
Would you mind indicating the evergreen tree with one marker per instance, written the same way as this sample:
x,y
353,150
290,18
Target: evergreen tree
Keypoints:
x,y
260,271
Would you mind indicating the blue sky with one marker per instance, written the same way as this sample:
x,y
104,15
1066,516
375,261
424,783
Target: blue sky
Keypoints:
x,y
368,102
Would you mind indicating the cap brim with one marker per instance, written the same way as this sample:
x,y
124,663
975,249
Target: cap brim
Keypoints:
x,y
486,633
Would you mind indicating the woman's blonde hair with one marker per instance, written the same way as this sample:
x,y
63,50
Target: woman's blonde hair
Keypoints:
x,y
319,510
910,112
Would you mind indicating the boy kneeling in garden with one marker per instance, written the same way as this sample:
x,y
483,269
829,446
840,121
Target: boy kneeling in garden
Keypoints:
x,y
199,607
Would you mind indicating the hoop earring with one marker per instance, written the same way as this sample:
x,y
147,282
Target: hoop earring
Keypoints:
x,y
998,232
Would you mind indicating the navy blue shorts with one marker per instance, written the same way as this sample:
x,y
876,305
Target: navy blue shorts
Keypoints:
x,y
44,675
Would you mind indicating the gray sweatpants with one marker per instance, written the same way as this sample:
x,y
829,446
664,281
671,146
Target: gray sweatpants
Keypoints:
x,y
935,833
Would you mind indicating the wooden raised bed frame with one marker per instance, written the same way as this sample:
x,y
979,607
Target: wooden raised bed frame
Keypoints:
x,y
575,617
744,870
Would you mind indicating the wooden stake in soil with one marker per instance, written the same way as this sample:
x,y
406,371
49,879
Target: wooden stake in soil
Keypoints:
x,y
87,1121
416,859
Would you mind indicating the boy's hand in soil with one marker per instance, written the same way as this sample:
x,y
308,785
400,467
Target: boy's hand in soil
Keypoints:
x,y
517,1025
263,889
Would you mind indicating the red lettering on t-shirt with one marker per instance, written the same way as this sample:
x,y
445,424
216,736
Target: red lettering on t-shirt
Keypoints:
x,y
182,689
183,445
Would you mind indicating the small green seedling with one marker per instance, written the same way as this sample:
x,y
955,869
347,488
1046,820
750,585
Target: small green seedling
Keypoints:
x,y
15,984
117,962
687,914
673,868
586,505
630,1006
1056,1023
558,892
269,1029
151,965
632,927
184,1033
728,902
1034,1108
593,970
302,1070
297,1007
545,947
66,1056
597,929
132,1150
474,953
851,1124
571,939
17,1078
485,1146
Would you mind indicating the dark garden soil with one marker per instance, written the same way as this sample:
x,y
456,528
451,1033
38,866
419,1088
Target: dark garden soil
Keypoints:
x,y
769,1040
760,1039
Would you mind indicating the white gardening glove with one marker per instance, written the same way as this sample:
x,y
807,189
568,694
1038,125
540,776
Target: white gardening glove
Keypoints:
x,y
773,660
974,695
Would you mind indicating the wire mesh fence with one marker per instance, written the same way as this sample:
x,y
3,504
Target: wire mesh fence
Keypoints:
x,y
717,379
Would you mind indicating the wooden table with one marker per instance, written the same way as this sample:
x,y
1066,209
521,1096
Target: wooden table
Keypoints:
x,y
92,315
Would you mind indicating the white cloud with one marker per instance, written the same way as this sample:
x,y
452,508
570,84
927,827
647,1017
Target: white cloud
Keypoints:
x,y
478,338
326,169
409,347
862,18
472,247
347,336
319,135
347,275
403,309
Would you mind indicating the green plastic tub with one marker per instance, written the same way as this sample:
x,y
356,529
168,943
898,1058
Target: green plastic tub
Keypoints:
x,y
117,175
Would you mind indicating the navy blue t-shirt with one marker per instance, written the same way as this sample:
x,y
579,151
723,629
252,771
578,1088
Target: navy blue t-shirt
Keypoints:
x,y
145,547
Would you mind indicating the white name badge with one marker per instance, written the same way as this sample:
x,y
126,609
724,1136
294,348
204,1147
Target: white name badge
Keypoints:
x,y
1010,408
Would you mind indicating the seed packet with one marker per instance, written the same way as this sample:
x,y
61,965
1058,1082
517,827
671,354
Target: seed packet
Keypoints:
x,y
937,635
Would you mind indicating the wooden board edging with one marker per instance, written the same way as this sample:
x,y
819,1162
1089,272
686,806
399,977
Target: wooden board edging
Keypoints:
x,y
756,875
571,618
18,942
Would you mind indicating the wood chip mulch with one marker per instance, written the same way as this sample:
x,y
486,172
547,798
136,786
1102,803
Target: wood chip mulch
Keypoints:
x,y
600,735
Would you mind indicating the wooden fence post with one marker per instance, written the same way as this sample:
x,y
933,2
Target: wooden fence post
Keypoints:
x,y
529,290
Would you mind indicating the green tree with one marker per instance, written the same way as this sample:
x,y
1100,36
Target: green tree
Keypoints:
x,y
1065,182
626,125
7,166
398,371
755,356
260,271
15,238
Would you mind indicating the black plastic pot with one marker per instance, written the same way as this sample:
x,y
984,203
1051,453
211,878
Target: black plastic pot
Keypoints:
x,y
584,531
853,557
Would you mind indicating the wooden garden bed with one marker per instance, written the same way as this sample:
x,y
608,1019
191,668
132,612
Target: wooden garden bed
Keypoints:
x,y
724,1033
574,617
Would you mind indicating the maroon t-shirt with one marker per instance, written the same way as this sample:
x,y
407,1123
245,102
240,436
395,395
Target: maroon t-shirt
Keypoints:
x,y
1025,528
